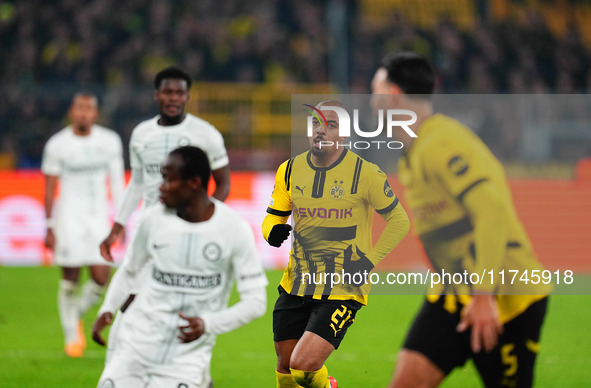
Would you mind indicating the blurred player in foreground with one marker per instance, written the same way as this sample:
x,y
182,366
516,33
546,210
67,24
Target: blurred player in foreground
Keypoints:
x,y
464,216
151,141
332,193
197,247
80,157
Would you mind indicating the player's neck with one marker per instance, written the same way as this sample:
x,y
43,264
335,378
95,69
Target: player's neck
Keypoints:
x,y
81,130
166,121
423,110
199,210
327,160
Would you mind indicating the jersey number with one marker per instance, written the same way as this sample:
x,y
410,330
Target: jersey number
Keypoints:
x,y
339,318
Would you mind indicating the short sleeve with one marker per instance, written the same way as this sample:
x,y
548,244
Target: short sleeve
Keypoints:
x,y
248,268
51,163
216,152
380,194
280,204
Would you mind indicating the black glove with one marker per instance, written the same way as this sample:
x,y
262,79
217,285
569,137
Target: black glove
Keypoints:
x,y
360,265
278,235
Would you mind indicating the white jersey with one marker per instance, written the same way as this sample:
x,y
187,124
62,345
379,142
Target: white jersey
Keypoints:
x,y
193,268
82,164
150,143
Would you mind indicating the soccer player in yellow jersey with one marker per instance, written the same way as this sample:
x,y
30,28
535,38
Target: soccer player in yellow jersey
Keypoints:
x,y
331,193
464,215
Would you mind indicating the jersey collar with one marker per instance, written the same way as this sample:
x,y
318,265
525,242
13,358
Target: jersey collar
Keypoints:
x,y
315,168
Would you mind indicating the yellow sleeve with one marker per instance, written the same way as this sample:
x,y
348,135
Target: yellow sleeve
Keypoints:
x,y
279,208
397,225
465,169
382,198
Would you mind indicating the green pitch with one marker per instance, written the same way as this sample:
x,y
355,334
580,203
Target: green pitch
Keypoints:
x,y
31,350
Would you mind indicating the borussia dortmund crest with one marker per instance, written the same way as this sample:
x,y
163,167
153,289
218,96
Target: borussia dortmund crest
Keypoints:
x,y
337,191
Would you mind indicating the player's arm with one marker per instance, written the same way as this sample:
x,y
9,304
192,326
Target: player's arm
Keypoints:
x,y
51,167
123,282
117,172
275,229
220,165
464,173
251,283
381,198
397,226
50,186
131,199
221,177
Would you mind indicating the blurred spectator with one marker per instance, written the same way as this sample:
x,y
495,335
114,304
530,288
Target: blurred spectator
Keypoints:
x,y
51,49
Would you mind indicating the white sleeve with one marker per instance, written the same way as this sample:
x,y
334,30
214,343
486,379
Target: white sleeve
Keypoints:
x,y
131,197
51,163
252,305
123,282
216,152
251,284
117,172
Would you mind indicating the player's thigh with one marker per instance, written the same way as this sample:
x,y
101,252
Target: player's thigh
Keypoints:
x,y
290,317
511,363
123,371
310,353
331,319
433,334
415,370
100,274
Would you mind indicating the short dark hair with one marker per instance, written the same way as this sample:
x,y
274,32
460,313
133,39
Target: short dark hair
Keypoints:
x,y
195,163
174,73
411,71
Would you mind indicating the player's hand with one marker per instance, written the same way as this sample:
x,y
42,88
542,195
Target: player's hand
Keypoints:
x,y
122,236
99,325
279,234
193,330
482,314
361,265
50,239
109,241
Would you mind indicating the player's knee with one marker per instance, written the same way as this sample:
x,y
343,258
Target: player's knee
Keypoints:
x,y
282,367
304,364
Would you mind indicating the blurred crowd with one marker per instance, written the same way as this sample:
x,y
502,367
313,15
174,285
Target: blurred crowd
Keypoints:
x,y
50,50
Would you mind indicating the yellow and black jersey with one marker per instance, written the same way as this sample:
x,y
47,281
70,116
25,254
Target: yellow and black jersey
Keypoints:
x,y
446,162
332,210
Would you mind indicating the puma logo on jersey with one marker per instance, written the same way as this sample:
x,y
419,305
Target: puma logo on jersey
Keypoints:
x,y
301,190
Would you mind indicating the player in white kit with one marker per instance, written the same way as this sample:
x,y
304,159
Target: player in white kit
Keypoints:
x,y
195,247
150,143
81,157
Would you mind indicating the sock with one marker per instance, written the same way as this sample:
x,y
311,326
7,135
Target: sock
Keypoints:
x,y
91,294
68,309
285,380
314,379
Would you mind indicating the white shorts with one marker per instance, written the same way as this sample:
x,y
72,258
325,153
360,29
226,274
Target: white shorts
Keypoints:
x,y
77,241
126,370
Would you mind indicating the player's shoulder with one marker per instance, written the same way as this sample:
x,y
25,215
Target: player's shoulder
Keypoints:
x,y
230,217
61,136
360,165
444,130
106,133
194,122
157,212
144,127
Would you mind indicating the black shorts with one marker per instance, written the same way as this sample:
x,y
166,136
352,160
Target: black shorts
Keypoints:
x,y
511,364
330,319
